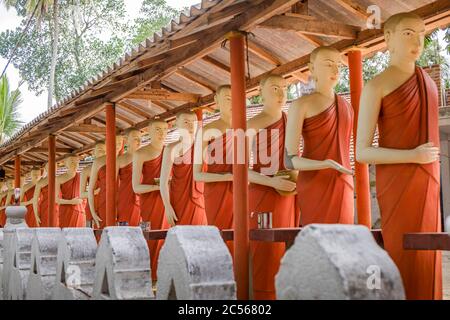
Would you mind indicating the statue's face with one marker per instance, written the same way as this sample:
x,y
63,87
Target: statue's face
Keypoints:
x,y
223,100
119,144
325,68
35,175
187,123
407,40
100,150
274,92
71,163
133,140
158,131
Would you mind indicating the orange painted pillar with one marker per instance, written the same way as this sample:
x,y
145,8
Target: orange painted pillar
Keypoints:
x,y
199,113
110,165
362,186
240,173
52,181
17,172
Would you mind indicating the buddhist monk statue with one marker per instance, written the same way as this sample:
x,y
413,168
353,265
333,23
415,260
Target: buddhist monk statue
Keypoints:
x,y
97,180
403,101
127,201
267,177
27,197
324,120
182,196
99,151
9,200
213,164
40,201
71,210
146,173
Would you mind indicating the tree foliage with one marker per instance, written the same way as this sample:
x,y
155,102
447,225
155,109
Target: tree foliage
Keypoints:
x,y
153,16
9,109
93,35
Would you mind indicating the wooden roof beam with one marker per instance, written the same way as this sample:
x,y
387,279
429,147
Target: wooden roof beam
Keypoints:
x,y
163,95
129,106
196,79
45,150
314,27
354,7
263,53
301,7
219,65
314,40
161,105
90,128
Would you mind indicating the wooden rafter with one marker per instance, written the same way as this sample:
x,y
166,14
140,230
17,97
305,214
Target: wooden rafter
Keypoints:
x,y
134,109
161,105
219,65
163,95
86,128
196,79
315,27
354,7
314,40
45,150
263,53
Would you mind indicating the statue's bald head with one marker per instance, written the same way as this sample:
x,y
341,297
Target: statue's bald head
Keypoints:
x,y
273,90
390,25
404,34
324,49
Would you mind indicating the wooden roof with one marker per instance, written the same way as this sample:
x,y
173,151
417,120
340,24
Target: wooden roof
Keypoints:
x,y
180,67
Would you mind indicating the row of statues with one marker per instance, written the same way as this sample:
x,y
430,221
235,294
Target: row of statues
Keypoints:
x,y
190,181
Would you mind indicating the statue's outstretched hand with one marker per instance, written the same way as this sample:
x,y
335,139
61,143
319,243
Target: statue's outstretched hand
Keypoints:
x,y
171,216
337,166
282,183
426,153
96,220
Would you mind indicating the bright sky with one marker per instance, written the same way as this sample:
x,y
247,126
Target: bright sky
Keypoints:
x,y
34,105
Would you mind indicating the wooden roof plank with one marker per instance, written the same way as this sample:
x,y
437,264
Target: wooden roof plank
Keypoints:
x,y
314,27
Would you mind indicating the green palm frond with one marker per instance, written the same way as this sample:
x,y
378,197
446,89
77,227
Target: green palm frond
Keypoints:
x,y
9,109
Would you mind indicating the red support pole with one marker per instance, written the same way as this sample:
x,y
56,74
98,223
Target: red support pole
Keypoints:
x,y
110,165
362,186
17,172
240,173
52,181
199,113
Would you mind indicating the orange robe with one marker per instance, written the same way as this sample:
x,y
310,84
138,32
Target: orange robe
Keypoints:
x,y
128,201
326,196
4,217
71,216
100,204
408,194
43,208
186,195
152,208
2,212
266,256
30,219
219,195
